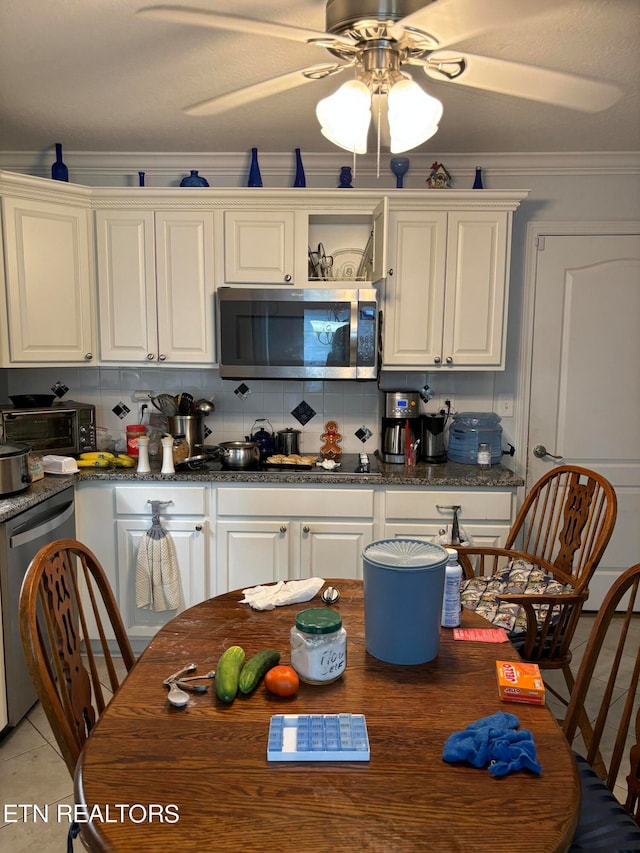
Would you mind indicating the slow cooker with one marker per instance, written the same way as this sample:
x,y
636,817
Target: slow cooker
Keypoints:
x,y
15,475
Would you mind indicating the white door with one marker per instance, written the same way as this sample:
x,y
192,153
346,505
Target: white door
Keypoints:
x,y
585,379
333,549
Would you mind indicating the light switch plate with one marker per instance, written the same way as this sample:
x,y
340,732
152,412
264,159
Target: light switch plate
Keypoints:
x,y
504,405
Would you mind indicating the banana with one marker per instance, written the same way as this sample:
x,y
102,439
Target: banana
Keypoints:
x,y
93,463
97,454
122,460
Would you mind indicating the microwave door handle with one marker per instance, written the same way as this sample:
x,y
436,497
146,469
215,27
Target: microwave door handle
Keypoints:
x,y
353,335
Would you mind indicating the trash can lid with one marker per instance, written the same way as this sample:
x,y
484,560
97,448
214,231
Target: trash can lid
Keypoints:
x,y
405,553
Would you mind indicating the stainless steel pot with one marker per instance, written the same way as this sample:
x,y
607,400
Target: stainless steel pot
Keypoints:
x,y
238,454
15,475
288,441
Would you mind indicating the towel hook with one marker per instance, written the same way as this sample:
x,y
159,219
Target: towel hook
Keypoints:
x,y
159,503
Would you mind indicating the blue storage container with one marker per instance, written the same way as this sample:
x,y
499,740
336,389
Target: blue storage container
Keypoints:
x,y
470,429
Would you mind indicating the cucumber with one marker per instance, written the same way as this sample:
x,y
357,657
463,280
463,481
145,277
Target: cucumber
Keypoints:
x,y
255,668
228,672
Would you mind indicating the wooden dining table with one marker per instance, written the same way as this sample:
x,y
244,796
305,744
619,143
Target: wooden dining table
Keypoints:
x,y
208,760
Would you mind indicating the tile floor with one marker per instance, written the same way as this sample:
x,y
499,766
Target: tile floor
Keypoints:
x,y
32,769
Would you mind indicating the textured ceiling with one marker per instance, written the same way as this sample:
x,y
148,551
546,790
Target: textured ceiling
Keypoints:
x,y
96,77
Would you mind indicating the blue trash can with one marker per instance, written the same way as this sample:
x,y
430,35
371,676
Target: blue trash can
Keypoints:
x,y
403,589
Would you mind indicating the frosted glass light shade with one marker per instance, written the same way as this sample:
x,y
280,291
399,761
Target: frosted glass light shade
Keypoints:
x,y
345,116
413,116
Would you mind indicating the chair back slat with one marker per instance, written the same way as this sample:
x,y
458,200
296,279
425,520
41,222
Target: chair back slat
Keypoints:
x,y
567,519
612,625
66,597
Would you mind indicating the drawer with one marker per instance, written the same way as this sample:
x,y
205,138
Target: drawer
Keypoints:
x,y
475,505
303,502
183,500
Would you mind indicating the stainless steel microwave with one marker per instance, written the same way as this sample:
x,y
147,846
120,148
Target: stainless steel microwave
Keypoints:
x,y
293,333
63,428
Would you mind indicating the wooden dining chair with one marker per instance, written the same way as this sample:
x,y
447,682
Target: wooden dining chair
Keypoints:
x,y
562,530
64,592
604,824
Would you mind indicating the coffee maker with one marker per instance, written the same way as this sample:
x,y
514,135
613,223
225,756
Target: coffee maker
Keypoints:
x,y
432,449
401,413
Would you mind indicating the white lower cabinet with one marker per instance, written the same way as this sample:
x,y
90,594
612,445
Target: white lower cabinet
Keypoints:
x,y
271,534
112,520
421,514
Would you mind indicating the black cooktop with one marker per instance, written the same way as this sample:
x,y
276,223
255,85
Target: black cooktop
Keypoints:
x,y
350,463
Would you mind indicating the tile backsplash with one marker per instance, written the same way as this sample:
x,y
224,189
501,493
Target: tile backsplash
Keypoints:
x,y
356,406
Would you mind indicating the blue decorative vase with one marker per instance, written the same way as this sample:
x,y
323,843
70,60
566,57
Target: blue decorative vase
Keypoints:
x,y
255,178
59,171
140,179
194,180
299,180
399,166
345,178
477,182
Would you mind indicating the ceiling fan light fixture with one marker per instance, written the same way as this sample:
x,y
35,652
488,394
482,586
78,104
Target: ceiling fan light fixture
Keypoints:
x,y
413,115
345,116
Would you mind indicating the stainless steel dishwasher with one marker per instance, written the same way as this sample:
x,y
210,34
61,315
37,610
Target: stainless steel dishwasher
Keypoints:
x,y
20,540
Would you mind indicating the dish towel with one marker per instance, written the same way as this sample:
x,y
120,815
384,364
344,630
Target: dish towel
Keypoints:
x,y
494,741
157,571
283,592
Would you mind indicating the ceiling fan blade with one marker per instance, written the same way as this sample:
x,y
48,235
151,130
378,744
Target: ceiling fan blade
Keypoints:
x,y
523,81
453,21
272,86
221,21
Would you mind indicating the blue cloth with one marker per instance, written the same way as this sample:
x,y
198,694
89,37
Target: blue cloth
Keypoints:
x,y
494,741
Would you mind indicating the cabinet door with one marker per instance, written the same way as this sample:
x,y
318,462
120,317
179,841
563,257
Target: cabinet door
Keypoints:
x,y
331,549
126,285
380,243
189,537
476,289
414,291
259,247
48,282
185,286
250,553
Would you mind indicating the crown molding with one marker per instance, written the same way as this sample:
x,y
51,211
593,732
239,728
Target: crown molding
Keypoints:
x,y
230,169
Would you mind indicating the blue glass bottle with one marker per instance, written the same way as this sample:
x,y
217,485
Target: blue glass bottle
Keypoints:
x,y
194,180
299,180
140,179
477,182
345,178
59,171
255,178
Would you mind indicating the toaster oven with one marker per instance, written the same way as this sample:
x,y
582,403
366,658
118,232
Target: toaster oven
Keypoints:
x,y
64,428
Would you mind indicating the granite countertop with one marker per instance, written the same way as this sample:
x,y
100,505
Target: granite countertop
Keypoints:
x,y
450,474
37,492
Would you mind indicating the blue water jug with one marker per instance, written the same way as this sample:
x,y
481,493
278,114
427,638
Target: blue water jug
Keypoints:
x,y
470,429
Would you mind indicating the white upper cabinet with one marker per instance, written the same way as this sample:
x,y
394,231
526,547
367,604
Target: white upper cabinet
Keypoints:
x,y
259,246
155,285
49,283
446,291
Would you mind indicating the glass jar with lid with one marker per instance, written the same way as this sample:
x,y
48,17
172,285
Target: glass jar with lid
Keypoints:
x,y
318,645
180,449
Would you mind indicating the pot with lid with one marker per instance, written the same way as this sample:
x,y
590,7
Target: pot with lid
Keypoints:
x,y
237,454
288,441
15,475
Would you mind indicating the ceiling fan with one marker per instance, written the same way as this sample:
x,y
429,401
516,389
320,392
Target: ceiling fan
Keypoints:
x,y
378,38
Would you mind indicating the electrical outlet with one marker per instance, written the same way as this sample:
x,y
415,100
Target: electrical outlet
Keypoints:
x,y
504,405
142,396
447,400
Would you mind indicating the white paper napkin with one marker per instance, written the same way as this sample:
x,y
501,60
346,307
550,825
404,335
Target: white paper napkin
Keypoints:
x,y
283,592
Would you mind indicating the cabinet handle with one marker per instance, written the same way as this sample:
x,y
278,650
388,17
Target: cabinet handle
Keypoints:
x,y
306,528
198,527
390,272
88,356
162,357
437,360
283,528
449,360
288,278
150,356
